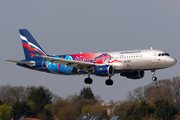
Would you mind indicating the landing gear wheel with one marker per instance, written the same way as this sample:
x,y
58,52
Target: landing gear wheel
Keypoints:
x,y
154,78
88,80
153,73
109,82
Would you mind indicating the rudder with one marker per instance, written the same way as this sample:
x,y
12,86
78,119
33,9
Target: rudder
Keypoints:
x,y
30,46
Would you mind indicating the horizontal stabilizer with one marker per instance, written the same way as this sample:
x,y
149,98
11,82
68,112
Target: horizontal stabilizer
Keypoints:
x,y
31,63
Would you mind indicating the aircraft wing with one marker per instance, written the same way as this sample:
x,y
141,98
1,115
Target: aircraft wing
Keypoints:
x,y
86,66
31,63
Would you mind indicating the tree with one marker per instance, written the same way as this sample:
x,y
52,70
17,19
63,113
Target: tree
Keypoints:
x,y
136,94
86,93
176,91
14,94
98,99
3,89
83,102
164,110
56,98
122,109
72,98
11,94
160,93
5,112
98,108
160,110
85,109
137,112
21,109
40,97
58,104
1,102
67,112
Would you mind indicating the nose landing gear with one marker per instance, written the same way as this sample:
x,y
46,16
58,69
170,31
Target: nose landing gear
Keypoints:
x,y
153,73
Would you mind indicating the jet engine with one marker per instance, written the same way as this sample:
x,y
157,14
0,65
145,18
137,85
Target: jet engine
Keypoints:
x,y
105,70
133,74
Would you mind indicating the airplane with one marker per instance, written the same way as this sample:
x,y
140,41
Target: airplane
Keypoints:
x,y
130,64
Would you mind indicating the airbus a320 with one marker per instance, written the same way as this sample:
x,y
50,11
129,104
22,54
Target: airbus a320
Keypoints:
x,y
130,64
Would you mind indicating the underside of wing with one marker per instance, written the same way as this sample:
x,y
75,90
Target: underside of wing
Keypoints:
x,y
86,66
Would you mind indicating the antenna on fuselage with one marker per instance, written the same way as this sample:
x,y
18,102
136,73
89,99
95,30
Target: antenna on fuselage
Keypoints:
x,y
151,48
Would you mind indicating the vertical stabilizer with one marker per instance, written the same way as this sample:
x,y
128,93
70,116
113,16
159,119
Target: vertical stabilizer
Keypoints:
x,y
30,46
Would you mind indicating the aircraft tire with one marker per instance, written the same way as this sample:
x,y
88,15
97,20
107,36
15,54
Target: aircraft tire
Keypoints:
x,y
109,82
154,78
88,80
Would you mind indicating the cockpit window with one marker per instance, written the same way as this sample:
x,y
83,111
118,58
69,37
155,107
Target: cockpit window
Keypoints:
x,y
163,54
167,54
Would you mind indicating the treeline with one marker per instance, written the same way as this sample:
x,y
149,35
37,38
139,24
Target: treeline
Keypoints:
x,y
158,100
39,102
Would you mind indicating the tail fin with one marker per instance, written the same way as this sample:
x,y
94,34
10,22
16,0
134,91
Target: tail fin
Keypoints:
x,y
30,46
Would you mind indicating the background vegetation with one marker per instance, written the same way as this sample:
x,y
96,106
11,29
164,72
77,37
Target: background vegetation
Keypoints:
x,y
156,101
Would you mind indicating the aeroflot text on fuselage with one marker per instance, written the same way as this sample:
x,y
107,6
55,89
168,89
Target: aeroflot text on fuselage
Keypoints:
x,y
108,64
130,52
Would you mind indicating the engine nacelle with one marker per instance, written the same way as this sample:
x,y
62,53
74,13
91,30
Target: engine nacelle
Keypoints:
x,y
105,70
133,74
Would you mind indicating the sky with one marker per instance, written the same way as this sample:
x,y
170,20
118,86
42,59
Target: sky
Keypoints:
x,y
71,26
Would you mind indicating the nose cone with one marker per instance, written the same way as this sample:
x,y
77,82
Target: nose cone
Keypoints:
x,y
172,61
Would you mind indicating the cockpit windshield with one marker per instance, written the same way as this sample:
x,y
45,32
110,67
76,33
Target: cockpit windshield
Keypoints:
x,y
163,54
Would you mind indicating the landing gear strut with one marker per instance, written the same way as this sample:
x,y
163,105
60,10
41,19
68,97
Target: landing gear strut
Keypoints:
x,y
88,80
109,81
153,73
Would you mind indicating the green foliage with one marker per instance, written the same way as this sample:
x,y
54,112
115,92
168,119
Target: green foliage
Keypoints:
x,y
68,112
21,109
86,93
85,109
122,108
49,108
135,113
1,102
164,110
40,98
98,108
5,112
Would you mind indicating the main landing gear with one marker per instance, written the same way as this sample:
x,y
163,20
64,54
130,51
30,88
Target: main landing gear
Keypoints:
x,y
153,73
109,81
88,80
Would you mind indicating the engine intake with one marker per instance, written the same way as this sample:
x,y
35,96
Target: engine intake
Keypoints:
x,y
105,70
133,74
